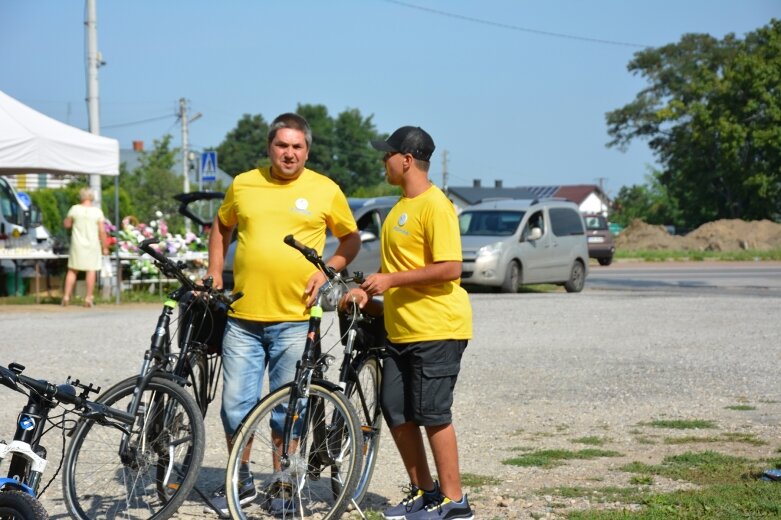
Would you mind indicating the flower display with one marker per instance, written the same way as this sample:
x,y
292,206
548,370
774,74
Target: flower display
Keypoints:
x,y
132,232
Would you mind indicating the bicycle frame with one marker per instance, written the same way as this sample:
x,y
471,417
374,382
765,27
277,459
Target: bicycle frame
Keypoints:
x,y
158,358
311,367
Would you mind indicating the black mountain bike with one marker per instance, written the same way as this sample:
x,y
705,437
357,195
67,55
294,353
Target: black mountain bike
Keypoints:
x,y
148,472
19,491
322,460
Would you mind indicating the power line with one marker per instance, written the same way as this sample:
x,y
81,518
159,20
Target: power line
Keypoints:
x,y
160,118
516,27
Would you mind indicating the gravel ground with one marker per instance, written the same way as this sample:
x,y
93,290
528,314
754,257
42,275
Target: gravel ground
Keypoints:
x,y
542,371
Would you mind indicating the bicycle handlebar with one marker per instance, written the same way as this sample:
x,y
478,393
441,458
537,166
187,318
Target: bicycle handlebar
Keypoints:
x,y
171,269
311,255
11,377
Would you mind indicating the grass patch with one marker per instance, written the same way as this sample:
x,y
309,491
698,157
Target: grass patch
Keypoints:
x,y
725,256
746,438
741,407
641,480
718,502
730,491
707,467
600,495
474,480
591,440
550,458
682,424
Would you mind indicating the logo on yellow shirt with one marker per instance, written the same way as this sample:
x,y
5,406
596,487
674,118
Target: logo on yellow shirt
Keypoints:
x,y
402,220
301,206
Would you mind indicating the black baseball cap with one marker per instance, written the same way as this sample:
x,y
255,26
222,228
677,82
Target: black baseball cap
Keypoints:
x,y
408,139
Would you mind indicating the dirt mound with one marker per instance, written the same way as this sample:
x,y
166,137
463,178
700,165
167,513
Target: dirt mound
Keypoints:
x,y
720,235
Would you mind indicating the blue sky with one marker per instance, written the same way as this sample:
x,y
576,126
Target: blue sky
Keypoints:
x,y
506,101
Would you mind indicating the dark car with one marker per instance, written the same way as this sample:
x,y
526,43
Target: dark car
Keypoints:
x,y
600,240
369,214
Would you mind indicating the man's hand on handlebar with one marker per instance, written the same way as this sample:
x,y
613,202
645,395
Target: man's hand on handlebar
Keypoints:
x,y
313,285
354,296
216,280
357,296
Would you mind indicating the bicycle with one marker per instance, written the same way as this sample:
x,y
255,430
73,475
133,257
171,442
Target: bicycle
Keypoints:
x,y
320,429
148,472
19,491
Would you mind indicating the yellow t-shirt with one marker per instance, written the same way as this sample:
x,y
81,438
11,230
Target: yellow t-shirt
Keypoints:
x,y
418,232
271,274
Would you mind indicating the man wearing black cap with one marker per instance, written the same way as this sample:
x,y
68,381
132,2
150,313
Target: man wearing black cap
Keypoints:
x,y
429,320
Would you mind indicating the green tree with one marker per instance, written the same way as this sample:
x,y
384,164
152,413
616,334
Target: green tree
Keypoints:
x,y
650,203
340,147
153,184
712,116
51,218
244,147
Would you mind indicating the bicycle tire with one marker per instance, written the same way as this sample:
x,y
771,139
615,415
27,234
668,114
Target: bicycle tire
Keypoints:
x,y
369,376
195,369
99,483
18,505
197,373
309,495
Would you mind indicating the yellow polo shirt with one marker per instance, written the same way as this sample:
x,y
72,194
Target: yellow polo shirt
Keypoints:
x,y
271,274
418,232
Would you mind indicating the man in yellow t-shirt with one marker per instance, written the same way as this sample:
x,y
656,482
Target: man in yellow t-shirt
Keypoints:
x,y
269,325
428,318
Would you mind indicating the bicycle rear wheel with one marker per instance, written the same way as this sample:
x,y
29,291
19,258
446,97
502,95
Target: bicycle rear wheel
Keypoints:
x,y
327,436
159,467
369,378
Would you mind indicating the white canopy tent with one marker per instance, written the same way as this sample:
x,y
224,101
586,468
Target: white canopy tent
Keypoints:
x,y
31,142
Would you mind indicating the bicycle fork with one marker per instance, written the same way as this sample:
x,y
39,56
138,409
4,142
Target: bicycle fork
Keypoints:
x,y
28,459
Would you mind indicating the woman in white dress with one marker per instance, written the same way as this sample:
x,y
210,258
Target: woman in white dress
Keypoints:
x,y
88,240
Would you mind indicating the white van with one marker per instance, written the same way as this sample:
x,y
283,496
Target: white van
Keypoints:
x,y
508,243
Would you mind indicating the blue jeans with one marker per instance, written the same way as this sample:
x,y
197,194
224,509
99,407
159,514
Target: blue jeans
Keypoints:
x,y
247,349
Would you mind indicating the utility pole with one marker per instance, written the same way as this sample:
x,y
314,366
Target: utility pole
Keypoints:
x,y
601,181
185,121
444,170
185,144
93,62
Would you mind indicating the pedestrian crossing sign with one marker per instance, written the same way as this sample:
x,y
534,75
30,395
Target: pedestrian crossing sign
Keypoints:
x,y
208,166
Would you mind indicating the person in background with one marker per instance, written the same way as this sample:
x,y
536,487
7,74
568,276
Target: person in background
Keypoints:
x,y
269,324
428,318
88,241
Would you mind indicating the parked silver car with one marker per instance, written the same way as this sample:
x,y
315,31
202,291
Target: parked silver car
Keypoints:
x,y
508,243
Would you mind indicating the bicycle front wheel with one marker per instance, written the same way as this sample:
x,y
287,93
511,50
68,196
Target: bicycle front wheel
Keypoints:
x,y
154,473
18,505
325,439
364,394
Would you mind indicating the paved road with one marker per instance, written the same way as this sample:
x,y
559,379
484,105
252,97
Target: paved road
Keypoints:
x,y
750,277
